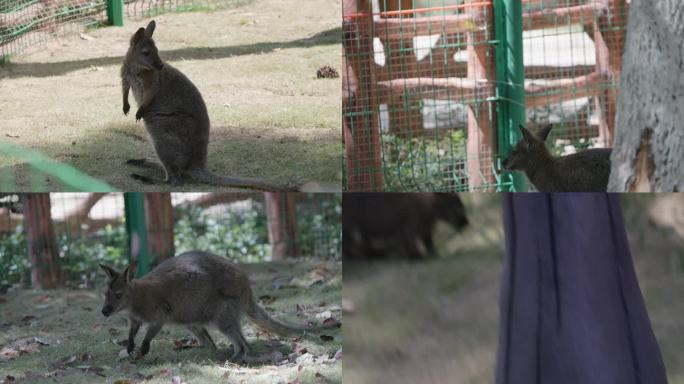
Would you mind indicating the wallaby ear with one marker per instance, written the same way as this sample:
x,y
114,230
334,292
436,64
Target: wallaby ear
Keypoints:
x,y
544,132
130,271
527,135
138,35
110,272
150,28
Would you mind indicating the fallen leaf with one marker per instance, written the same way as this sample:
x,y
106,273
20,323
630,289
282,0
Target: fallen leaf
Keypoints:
x,y
9,379
185,343
113,331
164,372
85,37
176,380
338,354
267,299
331,322
122,382
142,377
86,308
96,327
327,338
27,319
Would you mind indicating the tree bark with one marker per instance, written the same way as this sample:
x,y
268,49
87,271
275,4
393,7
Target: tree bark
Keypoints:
x,y
648,153
42,243
159,221
282,224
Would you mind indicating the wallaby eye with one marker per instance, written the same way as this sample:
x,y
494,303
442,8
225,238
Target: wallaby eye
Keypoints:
x,y
118,295
146,52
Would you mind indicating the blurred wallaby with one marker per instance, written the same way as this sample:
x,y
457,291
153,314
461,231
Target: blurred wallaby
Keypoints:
x,y
376,225
584,171
194,289
175,117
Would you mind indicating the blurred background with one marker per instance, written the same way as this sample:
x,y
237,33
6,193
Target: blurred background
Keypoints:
x,y
435,320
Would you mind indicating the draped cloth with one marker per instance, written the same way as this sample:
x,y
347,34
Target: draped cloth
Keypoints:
x,y
571,308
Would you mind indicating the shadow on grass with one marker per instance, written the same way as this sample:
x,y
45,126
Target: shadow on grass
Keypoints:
x,y
14,70
103,156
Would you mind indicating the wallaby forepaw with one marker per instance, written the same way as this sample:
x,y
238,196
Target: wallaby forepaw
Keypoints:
x,y
139,115
126,108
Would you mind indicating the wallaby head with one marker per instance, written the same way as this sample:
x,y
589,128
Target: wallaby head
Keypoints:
x,y
529,149
118,294
143,51
449,207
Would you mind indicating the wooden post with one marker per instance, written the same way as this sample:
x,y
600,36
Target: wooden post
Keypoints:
x,y
481,68
42,242
362,134
159,221
609,42
282,224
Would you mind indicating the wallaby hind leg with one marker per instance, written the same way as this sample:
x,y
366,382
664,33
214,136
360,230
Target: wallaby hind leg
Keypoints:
x,y
228,322
203,336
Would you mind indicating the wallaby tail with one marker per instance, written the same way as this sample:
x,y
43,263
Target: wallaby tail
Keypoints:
x,y
206,176
259,316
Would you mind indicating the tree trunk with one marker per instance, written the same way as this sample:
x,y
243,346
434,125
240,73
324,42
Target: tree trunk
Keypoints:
x,y
42,243
159,220
282,224
648,153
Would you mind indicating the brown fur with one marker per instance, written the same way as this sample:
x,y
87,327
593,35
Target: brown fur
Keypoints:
x,y
584,171
194,289
175,117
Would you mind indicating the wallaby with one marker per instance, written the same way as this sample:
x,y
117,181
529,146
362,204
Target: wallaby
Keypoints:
x,y
194,289
584,171
175,117
377,225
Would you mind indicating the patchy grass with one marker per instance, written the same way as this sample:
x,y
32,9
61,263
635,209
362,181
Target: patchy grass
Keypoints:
x,y
255,66
71,322
437,321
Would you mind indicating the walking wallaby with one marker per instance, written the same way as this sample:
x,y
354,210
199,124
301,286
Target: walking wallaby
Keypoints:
x,y
193,289
377,225
584,171
175,117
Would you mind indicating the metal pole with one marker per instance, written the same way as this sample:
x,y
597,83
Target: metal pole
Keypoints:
x,y
511,78
115,12
134,205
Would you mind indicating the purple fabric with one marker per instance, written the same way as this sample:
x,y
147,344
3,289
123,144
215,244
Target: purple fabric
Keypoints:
x,y
571,307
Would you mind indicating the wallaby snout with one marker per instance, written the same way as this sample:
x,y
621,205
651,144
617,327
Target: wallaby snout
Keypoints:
x,y
107,310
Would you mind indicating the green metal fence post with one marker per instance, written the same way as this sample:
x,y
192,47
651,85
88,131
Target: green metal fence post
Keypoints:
x,y
511,78
134,206
115,12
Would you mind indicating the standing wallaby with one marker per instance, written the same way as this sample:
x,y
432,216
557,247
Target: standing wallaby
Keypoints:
x,y
193,289
584,171
175,117
377,225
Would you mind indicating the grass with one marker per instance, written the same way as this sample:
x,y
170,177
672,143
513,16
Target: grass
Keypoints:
x,y
71,322
255,66
437,321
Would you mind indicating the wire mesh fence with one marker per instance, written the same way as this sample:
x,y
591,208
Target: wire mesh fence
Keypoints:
x,y
26,24
146,8
29,23
93,228
423,108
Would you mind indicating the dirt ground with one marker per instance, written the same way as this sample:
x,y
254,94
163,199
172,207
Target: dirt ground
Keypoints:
x,y
255,66
437,321
61,336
